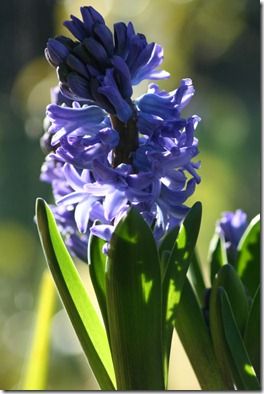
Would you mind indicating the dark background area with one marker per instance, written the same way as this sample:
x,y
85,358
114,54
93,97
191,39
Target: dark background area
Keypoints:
x,y
216,43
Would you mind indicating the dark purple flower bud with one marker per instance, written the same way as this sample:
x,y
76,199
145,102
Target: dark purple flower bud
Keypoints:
x,y
75,26
56,53
232,226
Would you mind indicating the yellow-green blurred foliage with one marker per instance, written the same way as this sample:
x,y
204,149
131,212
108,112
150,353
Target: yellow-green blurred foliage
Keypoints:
x,y
216,43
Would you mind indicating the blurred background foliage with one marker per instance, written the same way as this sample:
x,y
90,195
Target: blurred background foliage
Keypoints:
x,y
217,44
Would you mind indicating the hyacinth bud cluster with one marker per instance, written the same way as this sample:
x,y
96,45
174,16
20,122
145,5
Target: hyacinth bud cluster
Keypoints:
x,y
107,151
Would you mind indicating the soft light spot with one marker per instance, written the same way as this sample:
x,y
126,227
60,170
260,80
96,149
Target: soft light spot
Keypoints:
x,y
147,286
249,370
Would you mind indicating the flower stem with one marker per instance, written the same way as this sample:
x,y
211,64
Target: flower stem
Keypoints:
x,y
128,142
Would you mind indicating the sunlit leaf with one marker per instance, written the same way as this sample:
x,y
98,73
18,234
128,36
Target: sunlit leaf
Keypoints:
x,y
252,333
195,338
248,262
83,316
35,374
133,289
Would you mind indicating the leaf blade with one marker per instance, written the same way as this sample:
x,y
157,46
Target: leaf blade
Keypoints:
x,y
175,276
248,261
252,332
85,321
97,268
245,376
134,299
196,340
217,256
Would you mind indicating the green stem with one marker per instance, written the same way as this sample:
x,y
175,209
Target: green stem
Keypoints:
x,y
36,369
128,140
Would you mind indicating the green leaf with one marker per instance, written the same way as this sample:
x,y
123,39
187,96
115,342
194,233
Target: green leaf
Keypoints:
x,y
194,336
248,261
243,371
179,260
218,339
133,288
252,333
217,255
35,374
97,269
83,316
196,277
230,281
165,248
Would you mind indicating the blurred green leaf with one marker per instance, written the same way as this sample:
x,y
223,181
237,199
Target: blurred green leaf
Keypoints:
x,y
196,277
175,276
252,333
243,371
35,374
195,338
230,281
217,255
97,269
83,316
248,261
133,288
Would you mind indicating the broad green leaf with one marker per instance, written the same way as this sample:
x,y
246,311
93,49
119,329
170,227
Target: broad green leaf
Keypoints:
x,y
217,255
97,269
243,371
133,288
179,260
80,310
165,249
248,261
196,277
35,374
230,281
194,335
252,333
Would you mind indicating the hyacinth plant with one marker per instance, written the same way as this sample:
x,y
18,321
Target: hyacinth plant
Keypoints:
x,y
121,170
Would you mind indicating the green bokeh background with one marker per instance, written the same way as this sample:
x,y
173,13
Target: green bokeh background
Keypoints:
x,y
217,44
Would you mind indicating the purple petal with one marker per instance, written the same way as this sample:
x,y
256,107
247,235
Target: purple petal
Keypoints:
x,y
82,214
72,198
103,231
113,203
73,178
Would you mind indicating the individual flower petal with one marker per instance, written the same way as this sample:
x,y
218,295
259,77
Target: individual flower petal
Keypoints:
x,y
113,203
103,231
